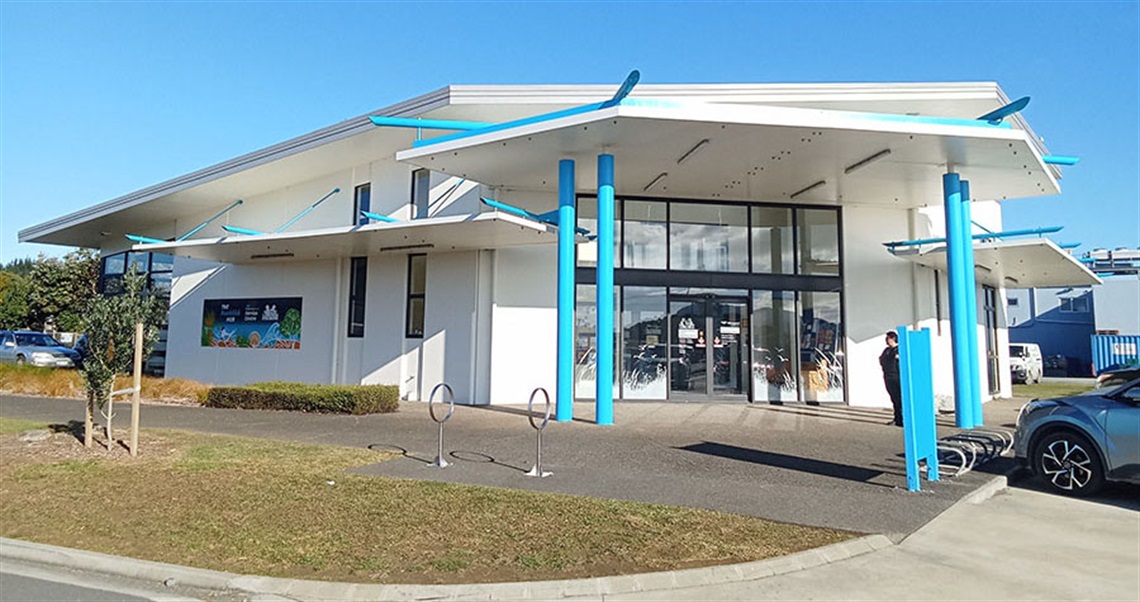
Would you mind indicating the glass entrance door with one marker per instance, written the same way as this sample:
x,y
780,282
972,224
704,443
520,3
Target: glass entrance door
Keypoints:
x,y
707,349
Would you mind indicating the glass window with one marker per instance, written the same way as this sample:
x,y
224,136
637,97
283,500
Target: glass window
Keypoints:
x,y
644,235
138,263
160,284
772,240
588,219
821,347
417,282
774,362
161,262
819,241
114,264
644,357
357,286
362,201
585,341
421,192
708,238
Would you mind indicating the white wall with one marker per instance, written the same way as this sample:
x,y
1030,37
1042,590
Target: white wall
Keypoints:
x,y
196,281
524,323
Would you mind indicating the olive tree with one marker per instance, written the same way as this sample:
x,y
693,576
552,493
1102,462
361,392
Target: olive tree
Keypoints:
x,y
109,323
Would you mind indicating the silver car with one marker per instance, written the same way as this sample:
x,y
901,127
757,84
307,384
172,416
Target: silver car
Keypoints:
x,y
37,349
1074,444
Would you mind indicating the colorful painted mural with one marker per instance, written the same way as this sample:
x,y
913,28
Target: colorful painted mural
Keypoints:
x,y
272,323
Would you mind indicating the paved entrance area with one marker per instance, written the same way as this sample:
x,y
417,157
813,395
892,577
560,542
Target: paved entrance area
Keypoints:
x,y
833,466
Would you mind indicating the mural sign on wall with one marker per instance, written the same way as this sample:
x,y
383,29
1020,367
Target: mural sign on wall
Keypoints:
x,y
273,323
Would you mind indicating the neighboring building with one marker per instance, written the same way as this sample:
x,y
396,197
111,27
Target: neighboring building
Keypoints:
x,y
1062,320
748,249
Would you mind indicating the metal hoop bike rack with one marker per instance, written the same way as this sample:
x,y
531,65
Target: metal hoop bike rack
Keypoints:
x,y
538,427
440,462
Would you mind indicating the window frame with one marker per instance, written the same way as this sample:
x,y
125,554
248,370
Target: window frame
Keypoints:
x,y
361,191
413,296
421,190
357,296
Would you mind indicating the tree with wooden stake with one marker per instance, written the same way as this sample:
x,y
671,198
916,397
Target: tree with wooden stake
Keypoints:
x,y
110,325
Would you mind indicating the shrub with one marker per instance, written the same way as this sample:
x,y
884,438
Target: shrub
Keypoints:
x,y
343,399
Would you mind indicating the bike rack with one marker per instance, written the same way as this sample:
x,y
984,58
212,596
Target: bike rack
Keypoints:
x,y
975,447
440,462
537,470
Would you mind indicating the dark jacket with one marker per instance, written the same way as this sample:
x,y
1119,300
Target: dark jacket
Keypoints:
x,y
889,361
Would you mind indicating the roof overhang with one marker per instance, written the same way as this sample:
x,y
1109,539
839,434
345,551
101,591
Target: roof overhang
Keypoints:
x,y
441,234
1031,263
753,153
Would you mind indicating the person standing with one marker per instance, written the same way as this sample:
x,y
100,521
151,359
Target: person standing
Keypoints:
x,y
889,361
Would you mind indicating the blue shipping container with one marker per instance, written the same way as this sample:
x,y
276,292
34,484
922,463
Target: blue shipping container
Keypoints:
x,y
1110,350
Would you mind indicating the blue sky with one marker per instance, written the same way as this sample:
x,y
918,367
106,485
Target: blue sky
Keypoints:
x,y
101,99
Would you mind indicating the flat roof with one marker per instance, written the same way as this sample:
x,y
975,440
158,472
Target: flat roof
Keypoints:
x,y
437,234
1027,263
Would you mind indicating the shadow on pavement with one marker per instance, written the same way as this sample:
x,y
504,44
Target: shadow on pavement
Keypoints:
x,y
1119,495
819,467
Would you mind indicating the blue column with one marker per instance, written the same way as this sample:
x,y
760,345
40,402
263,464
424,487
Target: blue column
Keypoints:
x,y
605,394
956,234
567,221
971,311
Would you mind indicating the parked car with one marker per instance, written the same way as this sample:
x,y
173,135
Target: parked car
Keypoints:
x,y
1025,363
37,349
1116,376
1074,444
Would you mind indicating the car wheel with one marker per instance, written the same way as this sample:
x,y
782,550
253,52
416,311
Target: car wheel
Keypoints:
x,y
1068,463
20,360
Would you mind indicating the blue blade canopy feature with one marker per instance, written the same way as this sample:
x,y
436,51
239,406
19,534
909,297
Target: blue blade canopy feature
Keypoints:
x,y
195,230
379,218
249,232
1060,160
545,218
1007,234
427,124
626,87
995,117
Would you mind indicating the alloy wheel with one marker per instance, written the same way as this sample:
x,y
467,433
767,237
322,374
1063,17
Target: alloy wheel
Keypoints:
x,y
1067,465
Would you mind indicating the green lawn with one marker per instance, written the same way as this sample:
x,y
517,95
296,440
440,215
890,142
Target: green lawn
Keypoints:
x,y
1048,390
290,510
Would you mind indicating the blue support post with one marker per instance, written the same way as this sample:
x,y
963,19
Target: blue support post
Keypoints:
x,y
971,291
604,408
920,434
956,235
567,222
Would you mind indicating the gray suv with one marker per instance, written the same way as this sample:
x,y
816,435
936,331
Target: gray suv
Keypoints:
x,y
1075,443
37,349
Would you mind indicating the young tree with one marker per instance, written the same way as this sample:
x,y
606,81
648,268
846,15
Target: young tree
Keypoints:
x,y
109,323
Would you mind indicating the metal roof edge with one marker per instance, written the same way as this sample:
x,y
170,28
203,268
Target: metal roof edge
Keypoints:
x,y
414,106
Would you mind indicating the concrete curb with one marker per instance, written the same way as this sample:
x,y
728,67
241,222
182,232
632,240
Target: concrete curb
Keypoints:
x,y
298,589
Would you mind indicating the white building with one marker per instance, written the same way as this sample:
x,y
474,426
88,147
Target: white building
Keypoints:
x,y
750,222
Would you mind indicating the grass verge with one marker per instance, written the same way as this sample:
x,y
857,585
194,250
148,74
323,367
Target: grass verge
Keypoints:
x,y
1048,390
291,510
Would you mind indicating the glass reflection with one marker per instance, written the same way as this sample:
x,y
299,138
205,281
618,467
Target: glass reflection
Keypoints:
x,y
819,241
586,341
772,240
709,238
588,219
774,368
644,232
821,347
644,340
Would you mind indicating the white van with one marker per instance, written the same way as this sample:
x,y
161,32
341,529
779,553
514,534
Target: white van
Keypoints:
x,y
1025,363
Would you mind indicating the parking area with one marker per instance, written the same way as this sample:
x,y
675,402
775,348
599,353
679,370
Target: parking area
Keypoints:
x,y
834,466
